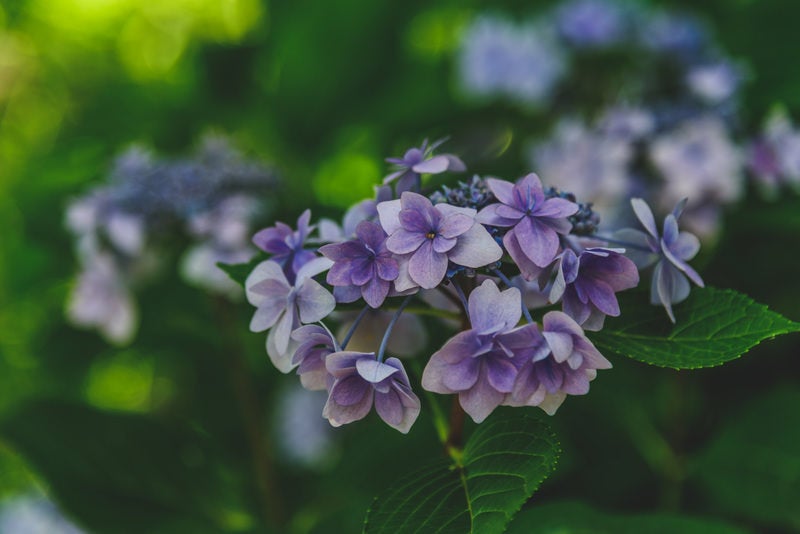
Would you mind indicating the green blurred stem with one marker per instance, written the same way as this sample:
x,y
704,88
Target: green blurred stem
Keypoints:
x,y
455,436
659,455
252,418
439,420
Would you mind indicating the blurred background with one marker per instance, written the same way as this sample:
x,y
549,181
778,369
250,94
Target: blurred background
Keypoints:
x,y
133,398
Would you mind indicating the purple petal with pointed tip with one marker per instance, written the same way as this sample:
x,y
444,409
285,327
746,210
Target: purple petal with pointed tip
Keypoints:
x,y
645,216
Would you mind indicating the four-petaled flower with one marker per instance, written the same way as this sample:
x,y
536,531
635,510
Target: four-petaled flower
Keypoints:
x,y
286,245
480,364
586,284
669,252
363,267
282,307
418,161
563,363
361,380
535,221
426,237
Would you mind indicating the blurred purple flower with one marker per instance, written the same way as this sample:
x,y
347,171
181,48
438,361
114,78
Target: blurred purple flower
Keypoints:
x,y
535,221
698,160
587,283
426,237
34,514
282,307
675,33
363,263
563,362
102,299
774,158
408,338
498,58
591,23
479,364
418,161
314,345
360,380
594,165
286,245
669,252
714,82
301,435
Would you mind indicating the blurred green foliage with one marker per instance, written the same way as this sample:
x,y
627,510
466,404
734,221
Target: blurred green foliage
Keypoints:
x,y
158,437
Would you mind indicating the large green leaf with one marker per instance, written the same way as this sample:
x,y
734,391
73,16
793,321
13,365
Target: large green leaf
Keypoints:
x,y
503,463
579,518
752,467
118,472
714,326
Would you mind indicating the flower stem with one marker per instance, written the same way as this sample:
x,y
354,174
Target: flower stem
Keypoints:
x,y
352,330
455,435
625,244
252,419
461,297
389,328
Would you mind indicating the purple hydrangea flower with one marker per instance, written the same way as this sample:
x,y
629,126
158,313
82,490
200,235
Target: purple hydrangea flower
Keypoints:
x,y
286,245
669,252
361,380
283,307
594,163
714,82
774,158
586,283
563,363
675,33
521,62
479,364
418,161
591,23
314,345
535,221
363,267
102,299
426,237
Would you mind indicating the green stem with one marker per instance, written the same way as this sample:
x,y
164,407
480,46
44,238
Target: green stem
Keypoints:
x,y
439,420
252,418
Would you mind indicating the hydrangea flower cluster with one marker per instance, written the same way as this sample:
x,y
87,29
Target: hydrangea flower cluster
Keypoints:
x,y
481,245
213,198
524,63
669,131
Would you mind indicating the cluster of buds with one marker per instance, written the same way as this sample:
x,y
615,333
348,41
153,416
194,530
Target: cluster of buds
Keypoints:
x,y
482,247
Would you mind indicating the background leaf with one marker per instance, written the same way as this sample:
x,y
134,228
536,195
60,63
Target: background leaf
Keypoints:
x,y
124,473
503,463
714,326
576,517
752,468
238,272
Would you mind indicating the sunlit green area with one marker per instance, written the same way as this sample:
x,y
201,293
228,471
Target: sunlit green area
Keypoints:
x,y
157,435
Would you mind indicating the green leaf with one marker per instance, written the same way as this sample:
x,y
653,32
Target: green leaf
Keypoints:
x,y
118,472
239,272
579,518
501,466
714,326
752,467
